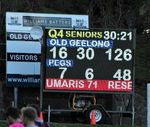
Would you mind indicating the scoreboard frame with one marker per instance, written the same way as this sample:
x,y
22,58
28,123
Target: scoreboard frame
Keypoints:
x,y
90,91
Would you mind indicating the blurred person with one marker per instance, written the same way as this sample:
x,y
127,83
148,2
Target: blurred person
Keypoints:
x,y
38,121
12,116
21,113
29,117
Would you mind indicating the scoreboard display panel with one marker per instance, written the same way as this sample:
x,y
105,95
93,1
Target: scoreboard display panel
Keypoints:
x,y
89,60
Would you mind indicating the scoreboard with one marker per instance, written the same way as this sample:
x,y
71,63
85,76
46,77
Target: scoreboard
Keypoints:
x,y
89,60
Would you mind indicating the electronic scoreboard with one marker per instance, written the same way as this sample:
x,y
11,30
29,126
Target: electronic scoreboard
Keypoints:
x,y
89,60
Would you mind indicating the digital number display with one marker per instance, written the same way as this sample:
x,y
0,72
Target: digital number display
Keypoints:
x,y
89,60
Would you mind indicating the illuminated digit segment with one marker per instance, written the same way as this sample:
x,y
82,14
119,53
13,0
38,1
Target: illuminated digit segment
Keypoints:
x,y
125,75
89,73
62,52
53,33
85,53
119,54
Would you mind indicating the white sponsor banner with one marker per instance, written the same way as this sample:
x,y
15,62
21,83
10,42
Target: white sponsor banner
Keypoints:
x,y
23,47
24,21
24,68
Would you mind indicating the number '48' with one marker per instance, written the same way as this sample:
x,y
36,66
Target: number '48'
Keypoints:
x,y
122,74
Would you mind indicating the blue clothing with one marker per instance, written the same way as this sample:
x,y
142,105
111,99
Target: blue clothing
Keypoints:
x,y
41,123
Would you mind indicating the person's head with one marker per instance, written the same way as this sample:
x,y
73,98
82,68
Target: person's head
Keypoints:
x,y
35,106
12,114
29,115
21,112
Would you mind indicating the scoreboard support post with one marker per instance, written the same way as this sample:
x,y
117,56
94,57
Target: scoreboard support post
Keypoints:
x,y
16,97
133,86
37,33
42,70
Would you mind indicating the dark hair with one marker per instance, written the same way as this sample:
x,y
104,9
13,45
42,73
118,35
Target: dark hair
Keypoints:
x,y
30,113
13,112
36,107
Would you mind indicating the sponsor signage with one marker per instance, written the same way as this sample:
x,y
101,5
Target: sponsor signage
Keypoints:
x,y
23,63
23,51
89,60
25,21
